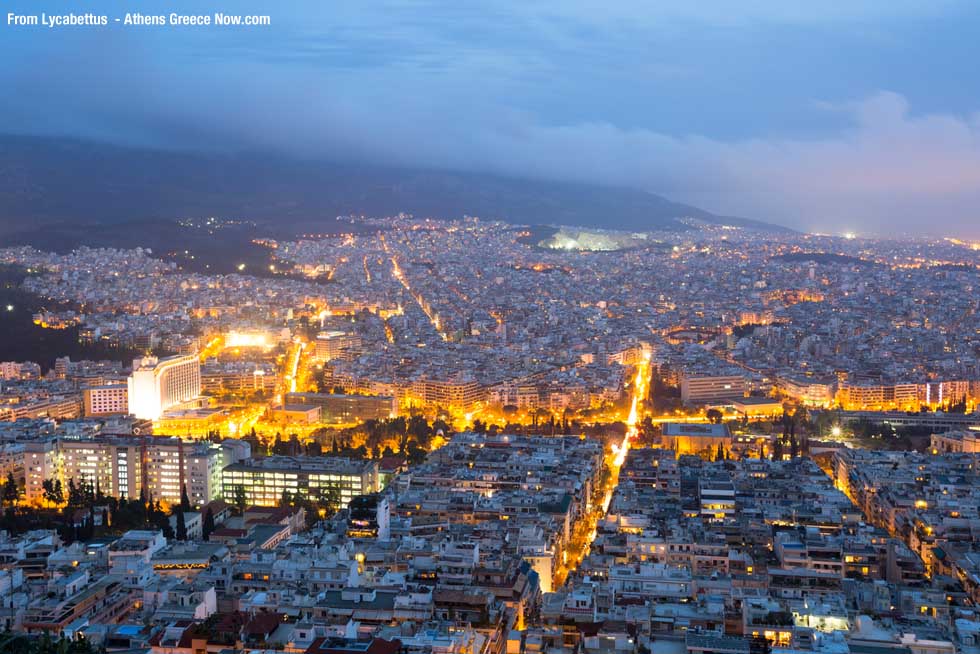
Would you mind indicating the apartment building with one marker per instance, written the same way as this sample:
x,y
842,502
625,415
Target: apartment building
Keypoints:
x,y
105,400
122,466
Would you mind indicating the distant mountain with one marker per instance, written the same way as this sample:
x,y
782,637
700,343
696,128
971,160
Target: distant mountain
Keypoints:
x,y
49,181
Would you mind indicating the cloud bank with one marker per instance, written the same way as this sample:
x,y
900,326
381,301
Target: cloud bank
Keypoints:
x,y
689,100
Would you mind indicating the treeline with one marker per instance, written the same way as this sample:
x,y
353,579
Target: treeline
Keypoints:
x,y
20,643
81,511
551,426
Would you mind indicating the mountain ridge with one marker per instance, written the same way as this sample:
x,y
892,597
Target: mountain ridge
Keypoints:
x,y
48,181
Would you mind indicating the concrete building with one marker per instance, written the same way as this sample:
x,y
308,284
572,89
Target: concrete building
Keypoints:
x,y
347,409
955,442
264,480
707,389
157,385
105,400
122,466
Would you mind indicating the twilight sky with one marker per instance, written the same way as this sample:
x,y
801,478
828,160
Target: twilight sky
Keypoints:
x,y
856,115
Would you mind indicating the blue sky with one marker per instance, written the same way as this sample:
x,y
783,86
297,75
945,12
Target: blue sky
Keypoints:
x,y
853,115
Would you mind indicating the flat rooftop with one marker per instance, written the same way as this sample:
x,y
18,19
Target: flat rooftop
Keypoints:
x,y
709,430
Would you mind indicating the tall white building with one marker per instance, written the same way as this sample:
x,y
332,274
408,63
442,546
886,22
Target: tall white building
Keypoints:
x,y
157,385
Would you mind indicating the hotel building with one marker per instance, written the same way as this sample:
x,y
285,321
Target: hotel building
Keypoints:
x,y
157,385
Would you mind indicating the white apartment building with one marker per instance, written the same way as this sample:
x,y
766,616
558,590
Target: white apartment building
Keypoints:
x,y
121,466
106,400
264,480
336,345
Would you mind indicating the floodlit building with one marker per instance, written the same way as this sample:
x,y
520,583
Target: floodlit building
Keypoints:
x,y
336,345
878,396
347,409
698,438
811,392
461,395
157,385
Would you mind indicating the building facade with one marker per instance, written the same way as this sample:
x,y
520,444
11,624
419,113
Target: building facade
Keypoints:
x,y
106,400
697,389
264,480
123,466
157,385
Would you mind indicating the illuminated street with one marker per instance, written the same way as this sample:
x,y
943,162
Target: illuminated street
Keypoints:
x,y
585,532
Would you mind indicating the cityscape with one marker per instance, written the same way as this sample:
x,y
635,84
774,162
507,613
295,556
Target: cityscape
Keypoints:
x,y
364,328
708,440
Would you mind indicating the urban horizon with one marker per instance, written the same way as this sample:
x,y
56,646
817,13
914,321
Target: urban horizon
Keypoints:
x,y
433,328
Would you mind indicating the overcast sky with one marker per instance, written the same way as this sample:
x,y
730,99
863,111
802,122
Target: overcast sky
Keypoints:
x,y
826,116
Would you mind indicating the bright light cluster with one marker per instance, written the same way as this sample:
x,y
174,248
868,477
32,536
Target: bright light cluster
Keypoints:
x,y
247,339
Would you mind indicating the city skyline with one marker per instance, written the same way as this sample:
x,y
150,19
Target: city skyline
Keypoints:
x,y
421,327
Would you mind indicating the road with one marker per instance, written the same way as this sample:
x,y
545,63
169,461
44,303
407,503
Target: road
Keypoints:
x,y
585,533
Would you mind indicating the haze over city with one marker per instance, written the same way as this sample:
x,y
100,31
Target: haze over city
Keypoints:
x,y
829,117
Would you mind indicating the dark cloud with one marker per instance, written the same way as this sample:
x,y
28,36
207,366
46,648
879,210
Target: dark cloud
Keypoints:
x,y
790,112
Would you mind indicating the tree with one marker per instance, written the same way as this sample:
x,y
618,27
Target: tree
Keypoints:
x,y
330,498
207,527
420,430
11,493
76,495
48,486
241,499
99,495
714,415
440,425
185,502
777,449
181,525
794,447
